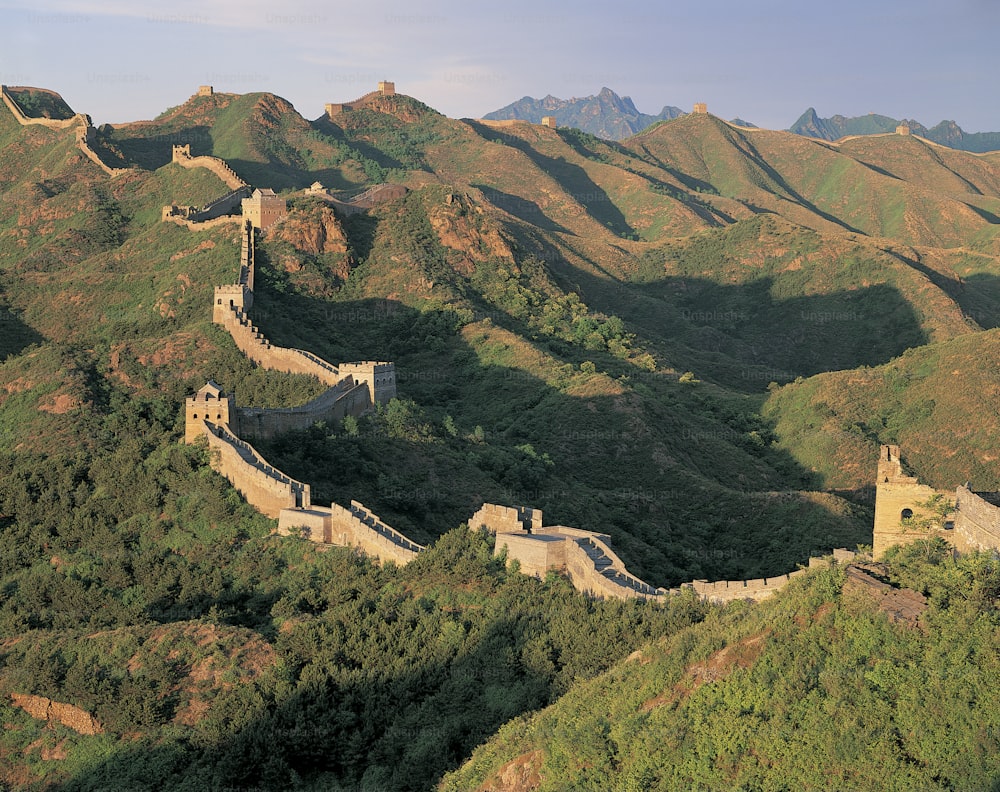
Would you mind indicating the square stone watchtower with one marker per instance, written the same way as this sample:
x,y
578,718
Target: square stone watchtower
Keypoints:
x,y
264,208
380,378
387,88
700,107
208,404
549,121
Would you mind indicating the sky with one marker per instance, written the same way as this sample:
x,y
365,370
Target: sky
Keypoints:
x,y
765,61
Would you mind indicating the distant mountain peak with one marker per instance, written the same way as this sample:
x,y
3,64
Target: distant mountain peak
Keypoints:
x,y
605,114
947,133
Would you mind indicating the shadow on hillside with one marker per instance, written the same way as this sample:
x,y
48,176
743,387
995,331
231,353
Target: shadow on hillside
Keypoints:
x,y
15,335
284,169
521,208
744,337
697,511
343,727
156,150
978,295
572,178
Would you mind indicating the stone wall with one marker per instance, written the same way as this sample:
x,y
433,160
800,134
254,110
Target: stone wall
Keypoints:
x,y
505,519
977,521
170,215
85,138
182,156
385,88
536,554
80,119
595,569
347,397
261,351
723,591
85,135
264,487
589,580
355,527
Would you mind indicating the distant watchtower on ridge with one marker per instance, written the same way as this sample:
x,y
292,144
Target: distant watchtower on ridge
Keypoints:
x,y
700,108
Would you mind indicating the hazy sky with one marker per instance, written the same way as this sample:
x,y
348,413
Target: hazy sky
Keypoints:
x,y
762,60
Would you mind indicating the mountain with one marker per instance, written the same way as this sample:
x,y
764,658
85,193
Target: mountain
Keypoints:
x,y
606,115
693,341
947,133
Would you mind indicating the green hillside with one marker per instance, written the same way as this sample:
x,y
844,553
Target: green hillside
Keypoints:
x,y
815,690
692,341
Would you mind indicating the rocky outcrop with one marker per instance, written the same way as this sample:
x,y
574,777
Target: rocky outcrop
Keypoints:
x,y
48,710
314,232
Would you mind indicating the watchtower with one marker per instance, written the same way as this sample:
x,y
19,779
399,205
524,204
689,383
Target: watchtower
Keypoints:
x,y
208,404
205,90
264,208
387,88
549,121
700,107
902,513
380,378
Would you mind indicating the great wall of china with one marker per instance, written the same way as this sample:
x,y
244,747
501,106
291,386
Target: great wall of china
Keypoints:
x,y
905,510
86,135
585,557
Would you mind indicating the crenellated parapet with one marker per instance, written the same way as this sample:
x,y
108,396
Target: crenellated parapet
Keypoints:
x,y
595,569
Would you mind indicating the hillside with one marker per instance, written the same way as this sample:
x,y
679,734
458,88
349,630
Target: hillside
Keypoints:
x,y
693,341
826,687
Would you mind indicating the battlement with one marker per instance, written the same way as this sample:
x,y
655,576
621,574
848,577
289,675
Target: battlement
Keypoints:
x,y
384,88
506,519
181,155
595,569
377,376
208,404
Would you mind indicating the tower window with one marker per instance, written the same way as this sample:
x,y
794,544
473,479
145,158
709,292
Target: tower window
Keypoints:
x,y
906,514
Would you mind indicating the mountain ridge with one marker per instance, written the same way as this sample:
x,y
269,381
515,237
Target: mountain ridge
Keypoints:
x,y
676,341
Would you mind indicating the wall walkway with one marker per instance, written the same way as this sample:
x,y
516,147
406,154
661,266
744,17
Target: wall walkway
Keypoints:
x,y
81,122
595,569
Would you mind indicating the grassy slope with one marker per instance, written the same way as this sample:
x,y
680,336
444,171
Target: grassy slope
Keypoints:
x,y
814,690
937,402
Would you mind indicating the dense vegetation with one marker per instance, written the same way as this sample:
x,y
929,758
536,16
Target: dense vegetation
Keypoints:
x,y
639,338
814,690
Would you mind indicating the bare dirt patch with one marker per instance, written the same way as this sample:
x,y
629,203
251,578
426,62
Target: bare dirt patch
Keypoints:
x,y
720,664
518,775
